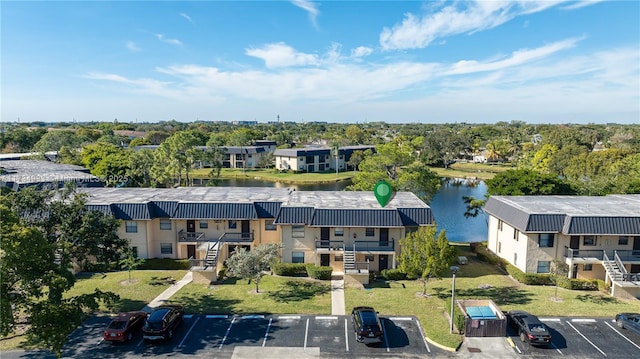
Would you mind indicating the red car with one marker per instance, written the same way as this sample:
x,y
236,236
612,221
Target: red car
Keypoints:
x,y
123,325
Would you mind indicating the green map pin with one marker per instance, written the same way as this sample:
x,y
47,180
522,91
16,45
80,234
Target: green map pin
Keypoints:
x,y
383,192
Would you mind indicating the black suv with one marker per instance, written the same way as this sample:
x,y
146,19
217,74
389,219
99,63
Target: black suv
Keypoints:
x,y
529,327
163,322
366,325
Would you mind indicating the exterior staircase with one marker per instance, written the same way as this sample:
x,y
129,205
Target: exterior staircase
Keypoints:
x,y
211,258
613,270
349,260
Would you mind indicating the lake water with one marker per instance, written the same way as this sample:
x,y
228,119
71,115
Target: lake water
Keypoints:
x,y
447,205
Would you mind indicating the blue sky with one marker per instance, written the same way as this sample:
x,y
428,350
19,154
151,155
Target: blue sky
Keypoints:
x,y
359,61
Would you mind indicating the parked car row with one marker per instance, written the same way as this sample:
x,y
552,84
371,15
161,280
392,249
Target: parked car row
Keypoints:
x,y
160,324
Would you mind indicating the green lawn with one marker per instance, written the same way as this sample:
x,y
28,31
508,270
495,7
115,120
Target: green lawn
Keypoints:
x,y
278,295
275,176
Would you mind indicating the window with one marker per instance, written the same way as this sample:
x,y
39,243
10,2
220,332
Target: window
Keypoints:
x,y
338,258
544,267
233,224
165,224
297,257
589,240
587,267
268,225
369,258
166,248
545,240
338,232
515,259
623,240
297,231
499,247
131,227
516,233
500,225
370,232
204,224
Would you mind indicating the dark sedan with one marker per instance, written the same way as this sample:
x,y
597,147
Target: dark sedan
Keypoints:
x,y
163,322
122,327
630,321
367,325
530,329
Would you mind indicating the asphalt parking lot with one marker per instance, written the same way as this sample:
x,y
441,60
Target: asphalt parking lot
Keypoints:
x,y
582,338
253,336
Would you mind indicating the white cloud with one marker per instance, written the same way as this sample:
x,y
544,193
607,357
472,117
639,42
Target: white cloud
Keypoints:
x,y
132,46
168,41
580,4
310,7
282,55
187,17
417,31
361,51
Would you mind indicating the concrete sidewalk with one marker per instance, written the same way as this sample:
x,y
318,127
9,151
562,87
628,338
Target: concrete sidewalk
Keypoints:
x,y
337,294
164,296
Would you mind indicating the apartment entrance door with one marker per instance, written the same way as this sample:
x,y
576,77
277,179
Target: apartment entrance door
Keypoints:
x,y
191,251
324,260
244,225
191,225
324,237
636,246
384,237
574,242
383,262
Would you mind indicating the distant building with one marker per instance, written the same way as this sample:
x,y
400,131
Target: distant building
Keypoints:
x,y
44,174
316,159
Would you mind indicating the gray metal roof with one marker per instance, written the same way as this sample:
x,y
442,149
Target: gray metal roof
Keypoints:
x,y
414,217
316,151
163,209
571,215
267,209
131,211
294,215
215,211
356,218
21,173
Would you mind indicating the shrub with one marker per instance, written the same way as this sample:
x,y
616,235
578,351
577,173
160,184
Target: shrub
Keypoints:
x,y
393,274
165,264
483,254
316,272
603,286
582,284
290,269
529,278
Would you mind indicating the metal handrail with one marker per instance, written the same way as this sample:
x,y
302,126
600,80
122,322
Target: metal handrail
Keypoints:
x,y
619,263
327,244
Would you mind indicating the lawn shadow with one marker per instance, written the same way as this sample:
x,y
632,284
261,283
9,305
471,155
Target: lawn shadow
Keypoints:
x,y
597,299
204,304
499,295
155,281
295,291
378,284
126,305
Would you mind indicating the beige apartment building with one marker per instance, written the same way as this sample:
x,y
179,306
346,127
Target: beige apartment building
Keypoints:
x,y
598,237
348,231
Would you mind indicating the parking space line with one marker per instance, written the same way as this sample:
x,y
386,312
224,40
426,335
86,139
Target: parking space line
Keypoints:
x,y
346,334
549,319
585,338
190,329
424,337
285,317
326,318
582,320
555,347
187,316
622,335
266,334
253,316
400,318
386,337
217,316
227,333
306,334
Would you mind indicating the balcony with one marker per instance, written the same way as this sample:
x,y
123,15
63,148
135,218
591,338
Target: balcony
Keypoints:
x,y
327,245
237,238
374,246
628,256
190,236
584,255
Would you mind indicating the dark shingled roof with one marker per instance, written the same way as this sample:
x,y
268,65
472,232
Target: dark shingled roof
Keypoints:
x,y
131,211
163,209
412,217
602,225
216,211
104,208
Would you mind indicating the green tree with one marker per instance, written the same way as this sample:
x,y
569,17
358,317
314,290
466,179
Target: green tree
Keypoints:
x,y
424,255
139,168
252,264
129,260
54,140
559,272
356,158
526,183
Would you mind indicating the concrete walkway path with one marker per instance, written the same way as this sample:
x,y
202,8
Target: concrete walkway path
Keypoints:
x,y
164,296
337,294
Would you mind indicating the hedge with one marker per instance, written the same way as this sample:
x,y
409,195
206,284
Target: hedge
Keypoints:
x,y
393,274
165,264
563,282
290,269
317,272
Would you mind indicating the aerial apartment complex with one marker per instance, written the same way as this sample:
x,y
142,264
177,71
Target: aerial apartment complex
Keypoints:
x,y
598,237
348,231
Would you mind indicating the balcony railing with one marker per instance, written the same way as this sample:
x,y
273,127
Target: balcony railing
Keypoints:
x,y
628,256
387,245
234,238
583,253
360,267
330,245
190,236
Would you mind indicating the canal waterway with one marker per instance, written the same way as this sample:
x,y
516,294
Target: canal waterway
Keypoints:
x,y
447,205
